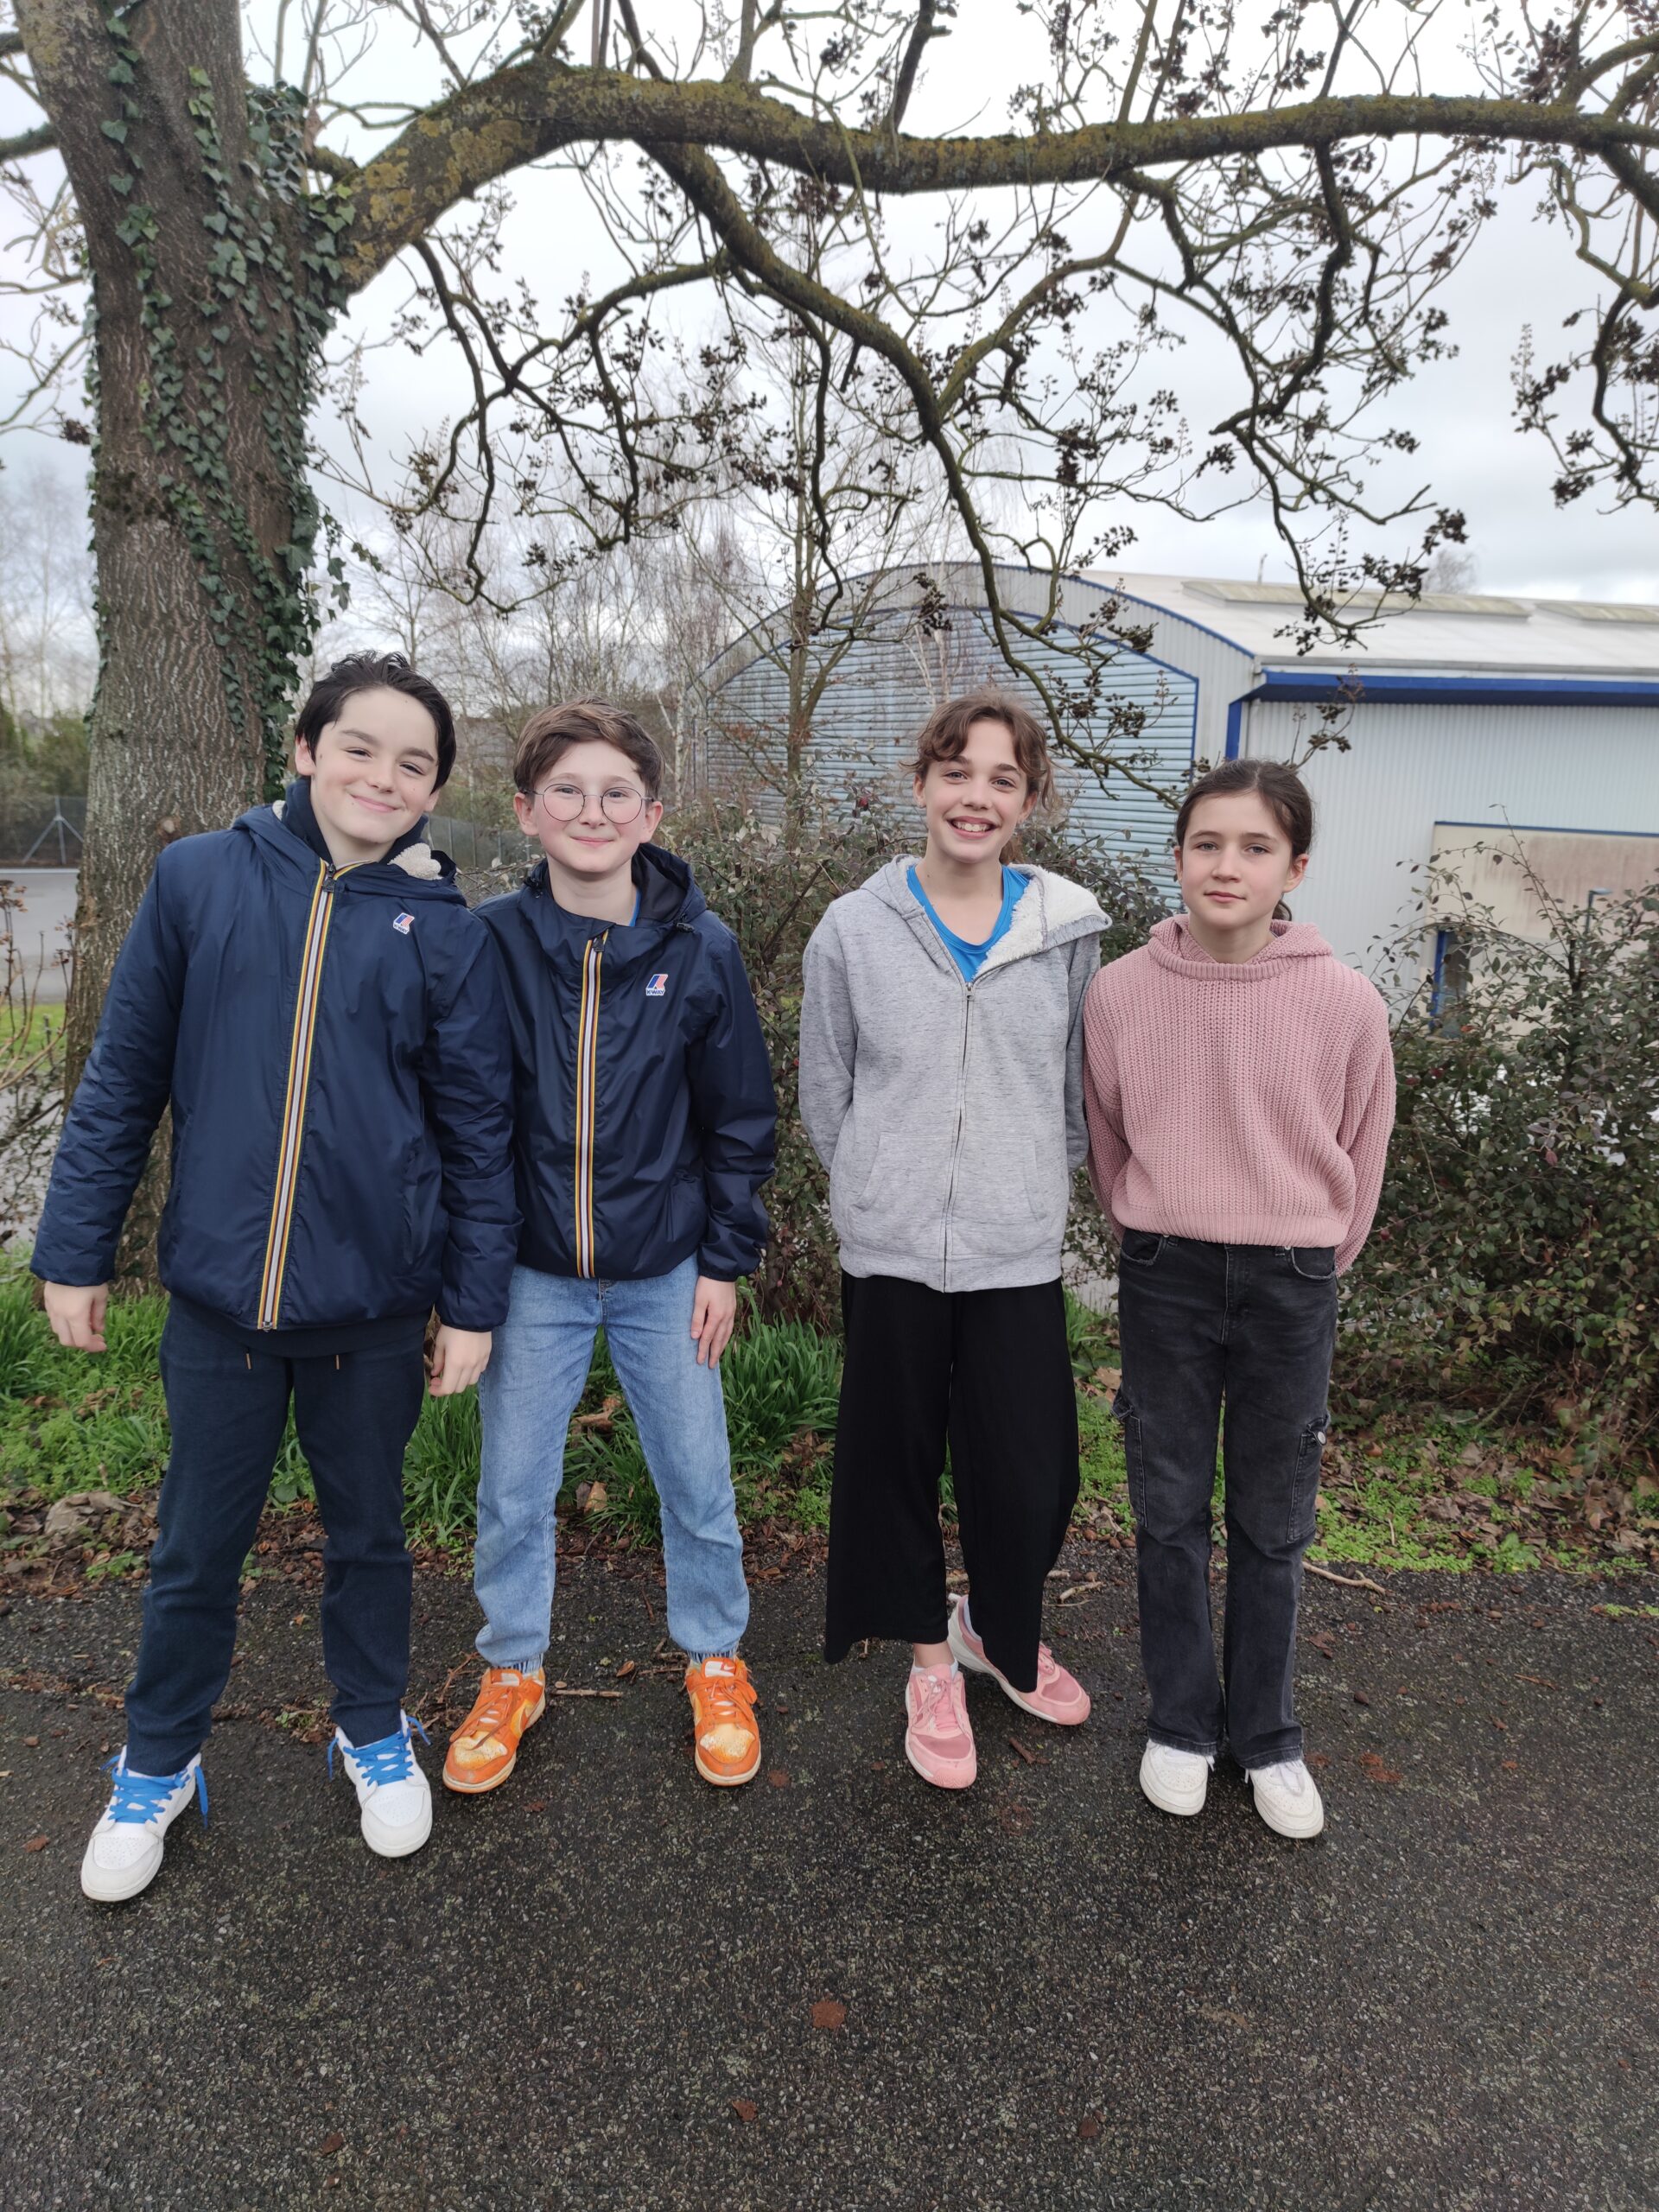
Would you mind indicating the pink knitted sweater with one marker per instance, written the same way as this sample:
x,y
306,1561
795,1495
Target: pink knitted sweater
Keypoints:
x,y
1242,1104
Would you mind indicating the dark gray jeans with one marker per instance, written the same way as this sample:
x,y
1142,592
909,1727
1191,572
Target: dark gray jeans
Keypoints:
x,y
1251,1328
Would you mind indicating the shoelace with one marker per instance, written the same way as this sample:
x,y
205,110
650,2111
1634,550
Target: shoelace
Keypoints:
x,y
935,1692
490,1714
727,1695
388,1759
137,1799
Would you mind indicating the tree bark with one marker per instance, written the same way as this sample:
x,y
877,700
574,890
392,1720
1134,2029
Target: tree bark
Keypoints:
x,y
207,327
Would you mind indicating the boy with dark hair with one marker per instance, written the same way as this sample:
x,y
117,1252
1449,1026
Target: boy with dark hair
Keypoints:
x,y
310,993
644,1125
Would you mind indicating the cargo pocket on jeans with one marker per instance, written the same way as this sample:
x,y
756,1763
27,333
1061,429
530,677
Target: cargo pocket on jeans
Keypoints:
x,y
1304,1487
1135,1464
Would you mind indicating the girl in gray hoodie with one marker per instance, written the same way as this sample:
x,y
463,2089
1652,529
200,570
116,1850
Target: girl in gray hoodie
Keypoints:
x,y
941,1083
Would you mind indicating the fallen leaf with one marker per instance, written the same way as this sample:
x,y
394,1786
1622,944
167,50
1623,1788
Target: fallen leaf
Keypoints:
x,y
1316,1759
330,2143
625,1670
1079,1590
1323,1645
1511,1766
779,1777
1089,2126
33,1741
830,2012
1375,1768
745,2108
537,1805
1360,1698
597,1499
37,1843
1503,1725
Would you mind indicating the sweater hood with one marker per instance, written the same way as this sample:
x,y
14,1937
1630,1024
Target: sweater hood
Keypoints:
x,y
287,833
1173,945
1052,910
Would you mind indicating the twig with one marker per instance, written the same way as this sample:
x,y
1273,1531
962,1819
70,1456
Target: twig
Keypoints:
x,y
556,1692
1079,1590
1348,1581
1014,1745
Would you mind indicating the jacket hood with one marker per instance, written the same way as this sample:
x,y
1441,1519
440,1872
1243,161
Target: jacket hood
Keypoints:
x,y
287,833
1173,945
1052,910
668,890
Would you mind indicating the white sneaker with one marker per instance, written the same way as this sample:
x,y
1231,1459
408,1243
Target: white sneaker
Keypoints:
x,y
1287,1798
1176,1782
395,1796
124,1854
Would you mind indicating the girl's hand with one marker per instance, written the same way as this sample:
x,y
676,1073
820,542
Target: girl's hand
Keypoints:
x,y
459,1358
714,1316
76,1312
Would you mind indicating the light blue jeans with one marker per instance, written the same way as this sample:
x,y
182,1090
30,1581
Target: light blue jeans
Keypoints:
x,y
538,1365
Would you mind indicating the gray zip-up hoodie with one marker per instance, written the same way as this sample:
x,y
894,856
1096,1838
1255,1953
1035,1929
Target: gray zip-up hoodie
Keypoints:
x,y
949,1114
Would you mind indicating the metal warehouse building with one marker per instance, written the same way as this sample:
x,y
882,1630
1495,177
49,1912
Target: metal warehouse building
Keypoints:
x,y
1467,717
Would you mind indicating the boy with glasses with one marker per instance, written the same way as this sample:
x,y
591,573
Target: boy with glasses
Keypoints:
x,y
643,1119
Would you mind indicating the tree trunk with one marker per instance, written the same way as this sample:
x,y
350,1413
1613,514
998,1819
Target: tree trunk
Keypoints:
x,y
213,281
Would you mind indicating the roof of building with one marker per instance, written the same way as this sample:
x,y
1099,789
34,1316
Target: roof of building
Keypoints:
x,y
1442,631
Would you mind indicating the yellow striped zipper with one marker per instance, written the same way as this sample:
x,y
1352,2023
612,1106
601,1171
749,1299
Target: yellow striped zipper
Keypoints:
x,y
299,1079
587,1085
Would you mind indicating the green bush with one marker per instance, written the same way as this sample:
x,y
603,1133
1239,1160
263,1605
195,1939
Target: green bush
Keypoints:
x,y
1517,1238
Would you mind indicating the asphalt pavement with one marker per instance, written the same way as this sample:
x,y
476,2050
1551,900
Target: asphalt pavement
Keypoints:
x,y
608,1985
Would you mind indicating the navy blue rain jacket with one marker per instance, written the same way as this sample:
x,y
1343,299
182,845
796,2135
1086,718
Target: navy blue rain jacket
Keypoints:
x,y
334,1045
645,1115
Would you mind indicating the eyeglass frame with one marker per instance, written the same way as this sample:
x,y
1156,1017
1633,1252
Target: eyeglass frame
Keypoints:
x,y
623,822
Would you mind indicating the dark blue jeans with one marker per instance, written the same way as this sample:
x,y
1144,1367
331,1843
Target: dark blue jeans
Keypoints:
x,y
228,1409
1250,1328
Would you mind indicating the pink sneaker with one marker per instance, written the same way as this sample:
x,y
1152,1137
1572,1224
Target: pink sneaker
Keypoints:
x,y
1058,1696
938,1742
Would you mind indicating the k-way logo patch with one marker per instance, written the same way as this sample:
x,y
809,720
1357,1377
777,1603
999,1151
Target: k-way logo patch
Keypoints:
x,y
402,924
656,986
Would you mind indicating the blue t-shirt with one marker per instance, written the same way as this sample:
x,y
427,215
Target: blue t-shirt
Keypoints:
x,y
970,958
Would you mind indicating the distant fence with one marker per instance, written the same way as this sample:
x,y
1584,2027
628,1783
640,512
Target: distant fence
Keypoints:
x,y
469,844
46,829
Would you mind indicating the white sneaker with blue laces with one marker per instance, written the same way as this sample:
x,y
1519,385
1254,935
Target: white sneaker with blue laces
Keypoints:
x,y
393,1794
124,1854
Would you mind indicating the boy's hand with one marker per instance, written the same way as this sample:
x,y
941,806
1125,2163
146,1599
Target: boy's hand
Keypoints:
x,y
459,1358
76,1312
714,1316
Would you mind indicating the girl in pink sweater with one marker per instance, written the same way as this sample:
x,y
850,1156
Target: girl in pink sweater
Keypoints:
x,y
1239,1089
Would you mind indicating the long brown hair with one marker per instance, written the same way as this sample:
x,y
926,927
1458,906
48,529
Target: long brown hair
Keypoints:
x,y
944,736
1281,792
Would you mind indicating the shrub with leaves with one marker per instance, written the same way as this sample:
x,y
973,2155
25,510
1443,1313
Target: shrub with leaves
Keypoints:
x,y
1517,1239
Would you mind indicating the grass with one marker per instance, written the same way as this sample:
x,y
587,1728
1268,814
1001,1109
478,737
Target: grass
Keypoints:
x,y
1418,1487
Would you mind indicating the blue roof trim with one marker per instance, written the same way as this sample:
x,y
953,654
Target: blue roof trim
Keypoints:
x,y
1284,684
1546,829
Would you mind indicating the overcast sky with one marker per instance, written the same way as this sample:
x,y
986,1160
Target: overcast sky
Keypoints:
x,y
1471,454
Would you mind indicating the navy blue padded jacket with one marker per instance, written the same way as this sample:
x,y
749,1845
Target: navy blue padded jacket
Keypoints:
x,y
645,1115
333,1044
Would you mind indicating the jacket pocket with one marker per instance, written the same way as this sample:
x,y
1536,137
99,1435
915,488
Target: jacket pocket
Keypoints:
x,y
1315,1262
1141,1247
423,1189
869,1181
1304,1484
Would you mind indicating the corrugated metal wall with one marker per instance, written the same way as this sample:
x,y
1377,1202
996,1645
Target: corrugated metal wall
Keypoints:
x,y
886,685
1410,766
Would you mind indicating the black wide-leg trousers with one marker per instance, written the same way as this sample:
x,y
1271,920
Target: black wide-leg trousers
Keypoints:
x,y
989,1371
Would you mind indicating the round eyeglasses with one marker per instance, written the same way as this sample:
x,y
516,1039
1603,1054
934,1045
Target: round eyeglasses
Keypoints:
x,y
621,802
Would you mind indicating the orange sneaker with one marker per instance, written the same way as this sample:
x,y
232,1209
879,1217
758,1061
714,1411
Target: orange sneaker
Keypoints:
x,y
484,1749
727,1736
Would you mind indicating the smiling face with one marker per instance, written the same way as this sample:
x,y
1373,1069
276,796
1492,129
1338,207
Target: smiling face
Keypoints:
x,y
373,773
572,814
975,803
1234,867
